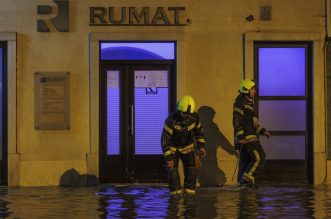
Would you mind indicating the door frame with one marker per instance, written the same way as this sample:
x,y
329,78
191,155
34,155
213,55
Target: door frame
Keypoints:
x,y
130,64
4,116
309,146
319,97
13,156
92,154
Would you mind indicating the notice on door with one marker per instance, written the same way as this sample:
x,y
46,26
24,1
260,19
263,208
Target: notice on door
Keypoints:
x,y
52,101
151,78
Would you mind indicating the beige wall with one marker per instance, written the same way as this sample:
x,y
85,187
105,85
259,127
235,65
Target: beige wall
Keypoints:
x,y
209,68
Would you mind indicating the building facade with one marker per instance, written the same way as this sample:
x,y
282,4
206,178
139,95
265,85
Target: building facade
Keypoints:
x,y
86,86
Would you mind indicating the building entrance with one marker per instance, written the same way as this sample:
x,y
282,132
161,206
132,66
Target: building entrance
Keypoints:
x,y
284,74
136,97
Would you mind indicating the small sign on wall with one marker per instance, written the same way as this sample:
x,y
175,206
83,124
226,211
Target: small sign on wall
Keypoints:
x,y
51,100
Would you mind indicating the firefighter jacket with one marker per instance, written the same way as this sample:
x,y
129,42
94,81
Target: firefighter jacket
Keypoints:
x,y
245,121
181,134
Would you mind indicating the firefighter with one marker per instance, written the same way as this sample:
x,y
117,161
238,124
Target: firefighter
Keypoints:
x,y
182,138
246,134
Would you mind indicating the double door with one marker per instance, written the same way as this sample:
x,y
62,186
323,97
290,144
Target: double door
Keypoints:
x,y
135,99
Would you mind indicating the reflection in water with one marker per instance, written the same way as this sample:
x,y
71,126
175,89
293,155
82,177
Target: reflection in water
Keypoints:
x,y
134,202
154,201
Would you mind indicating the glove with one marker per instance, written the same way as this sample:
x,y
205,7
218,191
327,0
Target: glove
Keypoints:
x,y
267,134
202,152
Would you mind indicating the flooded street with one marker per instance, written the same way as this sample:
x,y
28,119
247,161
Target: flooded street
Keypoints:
x,y
154,201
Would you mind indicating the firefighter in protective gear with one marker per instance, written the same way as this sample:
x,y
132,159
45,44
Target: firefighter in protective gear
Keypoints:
x,y
182,137
246,134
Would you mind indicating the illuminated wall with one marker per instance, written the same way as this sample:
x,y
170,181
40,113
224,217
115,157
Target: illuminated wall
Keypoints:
x,y
210,66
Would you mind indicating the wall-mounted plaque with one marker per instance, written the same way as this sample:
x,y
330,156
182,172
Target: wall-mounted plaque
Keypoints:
x,y
51,100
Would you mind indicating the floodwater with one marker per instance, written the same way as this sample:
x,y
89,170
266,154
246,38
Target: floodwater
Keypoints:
x,y
154,201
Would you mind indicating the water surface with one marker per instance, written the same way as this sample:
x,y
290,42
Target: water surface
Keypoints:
x,y
154,201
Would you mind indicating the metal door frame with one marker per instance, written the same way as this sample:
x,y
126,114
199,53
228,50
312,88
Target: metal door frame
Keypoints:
x,y
308,95
129,64
4,116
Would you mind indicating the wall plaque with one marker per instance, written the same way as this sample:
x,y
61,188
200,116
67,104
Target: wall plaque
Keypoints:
x,y
51,100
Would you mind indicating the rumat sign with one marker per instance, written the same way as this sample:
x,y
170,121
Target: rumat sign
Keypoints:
x,y
131,16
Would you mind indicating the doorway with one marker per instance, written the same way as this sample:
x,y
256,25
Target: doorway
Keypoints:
x,y
3,121
136,96
283,71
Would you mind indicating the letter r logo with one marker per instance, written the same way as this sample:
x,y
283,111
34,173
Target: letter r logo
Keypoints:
x,y
60,21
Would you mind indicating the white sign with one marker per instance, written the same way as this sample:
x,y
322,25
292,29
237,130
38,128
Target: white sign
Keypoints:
x,y
151,78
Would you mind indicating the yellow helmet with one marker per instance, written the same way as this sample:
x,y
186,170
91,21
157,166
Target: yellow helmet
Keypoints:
x,y
245,85
186,104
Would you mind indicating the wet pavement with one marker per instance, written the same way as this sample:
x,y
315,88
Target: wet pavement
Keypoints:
x,y
154,201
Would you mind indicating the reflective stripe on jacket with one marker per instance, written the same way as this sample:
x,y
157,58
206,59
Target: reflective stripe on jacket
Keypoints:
x,y
245,122
181,134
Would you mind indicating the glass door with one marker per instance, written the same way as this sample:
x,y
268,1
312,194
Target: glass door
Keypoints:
x,y
283,72
135,101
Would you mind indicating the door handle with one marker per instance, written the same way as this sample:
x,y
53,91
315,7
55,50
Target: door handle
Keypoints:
x,y
131,125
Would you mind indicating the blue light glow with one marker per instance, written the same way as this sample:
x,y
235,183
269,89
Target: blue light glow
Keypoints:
x,y
285,147
282,71
1,61
285,115
134,202
151,110
138,51
113,113
1,68
153,203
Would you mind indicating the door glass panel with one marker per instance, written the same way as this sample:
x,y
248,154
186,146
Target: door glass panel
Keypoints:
x,y
113,113
284,147
282,71
138,51
1,69
151,109
286,115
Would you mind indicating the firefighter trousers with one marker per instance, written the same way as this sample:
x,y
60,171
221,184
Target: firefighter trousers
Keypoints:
x,y
252,158
190,175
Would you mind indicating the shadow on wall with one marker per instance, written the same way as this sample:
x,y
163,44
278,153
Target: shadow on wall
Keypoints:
x,y
73,178
210,174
